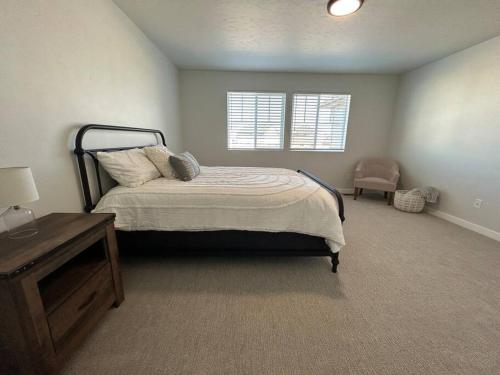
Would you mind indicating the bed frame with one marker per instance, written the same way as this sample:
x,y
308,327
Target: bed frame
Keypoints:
x,y
196,243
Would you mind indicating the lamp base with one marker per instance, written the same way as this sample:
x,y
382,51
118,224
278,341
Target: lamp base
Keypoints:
x,y
20,222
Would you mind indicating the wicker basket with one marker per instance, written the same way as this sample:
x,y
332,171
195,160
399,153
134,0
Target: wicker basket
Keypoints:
x,y
408,202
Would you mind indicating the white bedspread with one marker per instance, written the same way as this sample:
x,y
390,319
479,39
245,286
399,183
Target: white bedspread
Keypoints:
x,y
229,198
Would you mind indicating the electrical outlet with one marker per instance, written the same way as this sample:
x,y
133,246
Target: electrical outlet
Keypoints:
x,y
478,203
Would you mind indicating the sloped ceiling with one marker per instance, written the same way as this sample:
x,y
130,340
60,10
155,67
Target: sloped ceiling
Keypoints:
x,y
384,36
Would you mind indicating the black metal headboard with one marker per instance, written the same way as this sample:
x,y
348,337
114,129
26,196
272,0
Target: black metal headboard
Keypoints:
x,y
80,152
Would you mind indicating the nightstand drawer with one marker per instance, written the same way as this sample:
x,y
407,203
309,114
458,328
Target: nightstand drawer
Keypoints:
x,y
70,312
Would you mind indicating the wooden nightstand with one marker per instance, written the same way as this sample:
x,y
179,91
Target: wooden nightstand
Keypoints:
x,y
54,287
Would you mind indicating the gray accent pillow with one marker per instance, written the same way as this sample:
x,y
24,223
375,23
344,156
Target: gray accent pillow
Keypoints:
x,y
185,166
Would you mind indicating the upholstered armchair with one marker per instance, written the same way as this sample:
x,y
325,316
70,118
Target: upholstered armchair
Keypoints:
x,y
376,174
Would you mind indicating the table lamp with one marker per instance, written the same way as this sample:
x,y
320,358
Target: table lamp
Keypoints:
x,y
17,186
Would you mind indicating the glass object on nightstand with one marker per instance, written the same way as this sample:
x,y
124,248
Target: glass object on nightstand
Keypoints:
x,y
20,222
17,186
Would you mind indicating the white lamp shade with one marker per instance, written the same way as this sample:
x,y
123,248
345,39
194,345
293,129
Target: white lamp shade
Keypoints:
x,y
17,186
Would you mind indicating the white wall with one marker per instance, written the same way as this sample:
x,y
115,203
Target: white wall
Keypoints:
x,y
447,131
203,115
65,63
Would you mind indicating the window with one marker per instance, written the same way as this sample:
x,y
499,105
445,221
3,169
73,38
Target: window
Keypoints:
x,y
319,122
255,120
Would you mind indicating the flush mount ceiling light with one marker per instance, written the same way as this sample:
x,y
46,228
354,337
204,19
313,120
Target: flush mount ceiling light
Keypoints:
x,y
341,8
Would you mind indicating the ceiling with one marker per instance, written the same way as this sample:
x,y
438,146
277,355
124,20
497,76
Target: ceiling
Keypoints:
x,y
384,36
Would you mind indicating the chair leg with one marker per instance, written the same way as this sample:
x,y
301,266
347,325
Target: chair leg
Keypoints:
x,y
360,191
355,193
385,194
389,199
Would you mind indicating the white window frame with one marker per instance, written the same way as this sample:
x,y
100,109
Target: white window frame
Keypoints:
x,y
282,127
345,126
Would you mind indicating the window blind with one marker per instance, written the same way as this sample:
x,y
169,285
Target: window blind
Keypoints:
x,y
319,122
255,120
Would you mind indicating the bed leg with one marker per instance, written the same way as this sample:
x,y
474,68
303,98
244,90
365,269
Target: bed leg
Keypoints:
x,y
335,261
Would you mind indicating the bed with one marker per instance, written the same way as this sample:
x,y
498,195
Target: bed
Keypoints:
x,y
240,210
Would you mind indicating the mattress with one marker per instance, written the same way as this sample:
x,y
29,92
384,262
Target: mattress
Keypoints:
x,y
229,198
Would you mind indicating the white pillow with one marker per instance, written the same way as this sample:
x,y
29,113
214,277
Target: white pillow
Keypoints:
x,y
129,168
159,157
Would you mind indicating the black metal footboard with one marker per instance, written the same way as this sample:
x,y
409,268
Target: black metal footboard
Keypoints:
x,y
340,202
329,188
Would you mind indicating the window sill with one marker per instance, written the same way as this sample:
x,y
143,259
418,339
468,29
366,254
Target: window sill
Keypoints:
x,y
255,149
306,150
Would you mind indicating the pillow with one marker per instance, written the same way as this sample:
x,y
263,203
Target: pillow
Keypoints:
x,y
159,155
129,168
185,166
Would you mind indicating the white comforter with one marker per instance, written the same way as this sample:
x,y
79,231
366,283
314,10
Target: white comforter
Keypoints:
x,y
224,198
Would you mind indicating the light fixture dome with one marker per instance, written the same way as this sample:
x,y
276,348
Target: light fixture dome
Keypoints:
x,y
341,8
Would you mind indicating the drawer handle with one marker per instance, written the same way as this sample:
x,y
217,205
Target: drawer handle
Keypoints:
x,y
88,301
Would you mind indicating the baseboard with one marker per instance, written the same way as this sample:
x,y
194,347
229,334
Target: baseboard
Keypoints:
x,y
346,190
490,233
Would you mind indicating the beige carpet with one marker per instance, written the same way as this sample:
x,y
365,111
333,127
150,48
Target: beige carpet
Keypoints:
x,y
414,295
